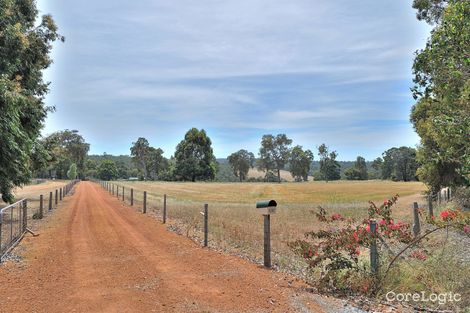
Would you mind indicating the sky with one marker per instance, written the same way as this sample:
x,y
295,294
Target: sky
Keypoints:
x,y
335,72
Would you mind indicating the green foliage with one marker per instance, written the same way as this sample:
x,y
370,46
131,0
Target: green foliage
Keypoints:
x,y
194,158
441,115
359,171
329,167
241,162
157,164
140,152
274,153
64,148
430,10
72,172
108,170
300,162
24,53
399,164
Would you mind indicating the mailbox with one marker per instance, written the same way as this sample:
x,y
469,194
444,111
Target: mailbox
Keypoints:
x,y
266,207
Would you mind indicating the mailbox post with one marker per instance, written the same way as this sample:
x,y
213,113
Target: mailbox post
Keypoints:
x,y
266,208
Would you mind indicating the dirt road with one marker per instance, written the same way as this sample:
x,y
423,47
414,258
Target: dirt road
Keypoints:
x,y
98,255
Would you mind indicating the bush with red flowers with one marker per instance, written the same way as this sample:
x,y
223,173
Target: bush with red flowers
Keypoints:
x,y
334,251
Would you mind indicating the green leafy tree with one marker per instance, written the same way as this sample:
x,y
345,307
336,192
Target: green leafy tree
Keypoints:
x,y
157,163
140,154
66,147
441,115
377,166
72,172
108,170
399,164
274,153
359,171
300,162
241,162
25,46
330,169
194,158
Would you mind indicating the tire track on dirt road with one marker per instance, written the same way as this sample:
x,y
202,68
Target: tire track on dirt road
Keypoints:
x,y
98,255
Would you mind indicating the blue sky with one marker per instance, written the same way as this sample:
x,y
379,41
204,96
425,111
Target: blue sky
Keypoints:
x,y
334,72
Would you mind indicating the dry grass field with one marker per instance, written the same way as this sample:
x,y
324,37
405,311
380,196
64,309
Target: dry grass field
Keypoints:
x,y
34,190
234,224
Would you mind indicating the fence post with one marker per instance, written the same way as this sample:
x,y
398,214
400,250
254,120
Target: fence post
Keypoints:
x,y
56,196
164,208
60,194
374,255
41,208
206,223
145,203
430,208
122,193
448,194
439,196
50,201
25,215
267,240
416,225
113,189
132,196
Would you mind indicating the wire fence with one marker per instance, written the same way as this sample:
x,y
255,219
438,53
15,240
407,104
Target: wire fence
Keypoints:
x,y
14,217
237,227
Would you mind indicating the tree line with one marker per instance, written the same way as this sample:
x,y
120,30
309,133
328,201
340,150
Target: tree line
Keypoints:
x,y
194,160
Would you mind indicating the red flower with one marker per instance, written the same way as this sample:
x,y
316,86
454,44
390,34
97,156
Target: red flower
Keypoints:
x,y
383,222
466,229
445,214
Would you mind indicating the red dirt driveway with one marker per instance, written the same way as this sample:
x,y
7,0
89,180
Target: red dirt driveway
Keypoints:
x,y
98,255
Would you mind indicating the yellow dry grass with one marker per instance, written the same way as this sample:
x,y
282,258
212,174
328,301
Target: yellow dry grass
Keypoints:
x,y
236,226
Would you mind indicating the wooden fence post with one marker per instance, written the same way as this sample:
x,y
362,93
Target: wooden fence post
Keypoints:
x,y
56,196
50,201
122,193
145,203
374,254
132,196
164,208
416,225
430,208
113,189
267,240
117,191
448,194
60,194
206,223
41,206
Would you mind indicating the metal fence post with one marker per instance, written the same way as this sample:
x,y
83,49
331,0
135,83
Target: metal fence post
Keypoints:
x,y
267,240
374,255
144,210
50,201
132,196
41,207
416,225
164,208
206,223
